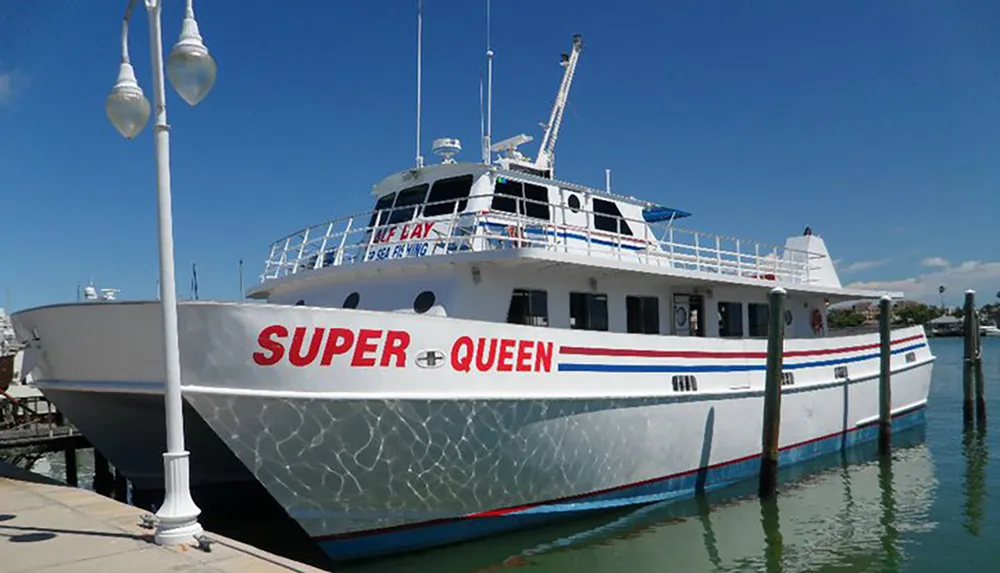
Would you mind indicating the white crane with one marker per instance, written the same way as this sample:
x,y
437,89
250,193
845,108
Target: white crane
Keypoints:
x,y
546,151
511,158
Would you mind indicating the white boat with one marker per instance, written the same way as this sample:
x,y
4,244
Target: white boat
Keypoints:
x,y
489,348
989,330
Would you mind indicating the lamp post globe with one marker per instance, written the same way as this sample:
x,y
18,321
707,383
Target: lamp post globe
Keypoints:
x,y
126,106
190,68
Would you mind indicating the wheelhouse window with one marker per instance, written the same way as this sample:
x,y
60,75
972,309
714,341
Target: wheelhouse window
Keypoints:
x,y
758,317
447,194
522,198
407,203
381,207
588,311
730,319
607,217
530,307
642,314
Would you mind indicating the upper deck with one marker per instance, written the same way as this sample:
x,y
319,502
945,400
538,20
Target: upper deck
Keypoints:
x,y
440,210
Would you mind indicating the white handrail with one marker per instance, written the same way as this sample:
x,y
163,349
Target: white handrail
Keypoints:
x,y
477,231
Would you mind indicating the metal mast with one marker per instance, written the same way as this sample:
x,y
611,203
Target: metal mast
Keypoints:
x,y
546,152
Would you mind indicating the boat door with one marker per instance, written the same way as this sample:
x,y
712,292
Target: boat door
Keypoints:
x,y
689,315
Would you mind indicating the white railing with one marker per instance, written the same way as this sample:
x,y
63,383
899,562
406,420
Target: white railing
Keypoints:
x,y
349,241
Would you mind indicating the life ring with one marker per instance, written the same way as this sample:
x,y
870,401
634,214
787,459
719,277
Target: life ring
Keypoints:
x,y
817,321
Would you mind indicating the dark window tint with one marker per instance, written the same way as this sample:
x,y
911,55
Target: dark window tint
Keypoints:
x,y
384,202
509,197
529,307
405,207
643,314
588,311
758,315
608,218
352,300
730,319
423,302
536,203
505,194
452,191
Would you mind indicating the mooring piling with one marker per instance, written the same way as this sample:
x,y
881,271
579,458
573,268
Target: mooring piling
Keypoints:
x,y
980,379
71,473
103,480
884,386
772,393
971,331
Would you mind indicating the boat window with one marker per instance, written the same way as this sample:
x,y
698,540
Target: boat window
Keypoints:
x,y
423,302
504,195
758,315
384,202
446,194
509,197
529,307
405,207
608,218
730,319
643,314
352,300
536,204
574,203
588,311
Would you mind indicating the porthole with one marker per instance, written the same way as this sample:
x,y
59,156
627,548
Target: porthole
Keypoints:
x,y
574,203
423,302
300,302
352,300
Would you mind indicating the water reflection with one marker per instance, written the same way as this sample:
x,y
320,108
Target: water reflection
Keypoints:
x,y
828,514
976,453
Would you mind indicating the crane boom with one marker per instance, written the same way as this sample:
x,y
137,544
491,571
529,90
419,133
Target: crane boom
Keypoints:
x,y
546,151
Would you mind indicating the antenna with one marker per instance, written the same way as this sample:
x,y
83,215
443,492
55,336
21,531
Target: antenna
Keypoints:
x,y
420,36
241,279
489,91
607,180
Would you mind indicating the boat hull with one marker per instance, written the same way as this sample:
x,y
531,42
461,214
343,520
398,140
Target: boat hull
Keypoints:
x,y
384,432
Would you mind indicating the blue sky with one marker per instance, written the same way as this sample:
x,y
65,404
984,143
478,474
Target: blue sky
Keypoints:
x,y
876,123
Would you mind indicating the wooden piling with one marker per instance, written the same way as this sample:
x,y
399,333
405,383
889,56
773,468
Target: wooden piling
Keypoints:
x,y
772,394
120,487
980,379
884,387
103,480
968,362
71,474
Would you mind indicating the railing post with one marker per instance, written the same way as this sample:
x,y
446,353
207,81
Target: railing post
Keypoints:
x,y
672,254
968,364
338,259
322,247
885,364
302,248
718,254
772,394
756,258
697,253
739,259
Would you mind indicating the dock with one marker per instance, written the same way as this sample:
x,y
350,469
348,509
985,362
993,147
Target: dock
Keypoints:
x,y
48,527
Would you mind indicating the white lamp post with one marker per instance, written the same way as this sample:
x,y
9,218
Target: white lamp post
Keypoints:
x,y
192,72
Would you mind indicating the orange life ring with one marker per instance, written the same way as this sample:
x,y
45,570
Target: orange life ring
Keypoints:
x,y
817,321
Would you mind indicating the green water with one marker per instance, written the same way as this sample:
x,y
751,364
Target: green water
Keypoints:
x,y
928,508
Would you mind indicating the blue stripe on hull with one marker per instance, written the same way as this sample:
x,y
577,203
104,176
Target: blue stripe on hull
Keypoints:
x,y
435,533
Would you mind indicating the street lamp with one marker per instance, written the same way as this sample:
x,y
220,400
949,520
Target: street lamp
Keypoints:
x,y
192,72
